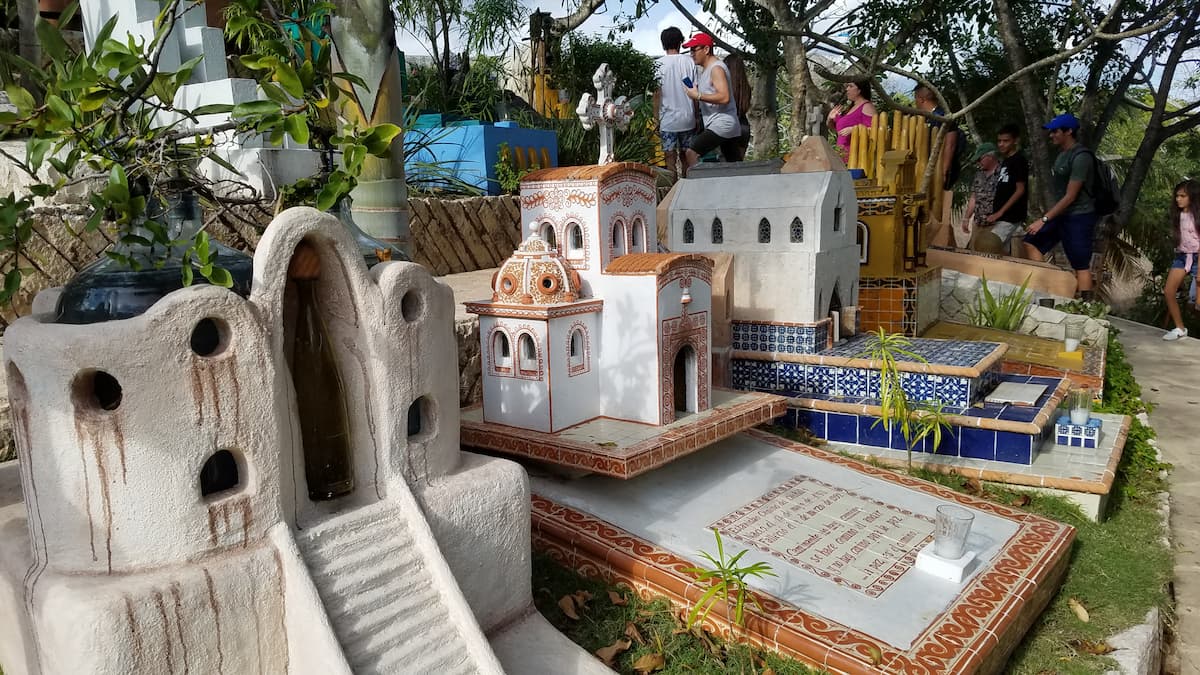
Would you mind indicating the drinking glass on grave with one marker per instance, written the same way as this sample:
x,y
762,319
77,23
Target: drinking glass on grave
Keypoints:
x,y
1072,335
951,528
1081,405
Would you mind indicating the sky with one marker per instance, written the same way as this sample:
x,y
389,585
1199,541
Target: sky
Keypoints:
x,y
644,37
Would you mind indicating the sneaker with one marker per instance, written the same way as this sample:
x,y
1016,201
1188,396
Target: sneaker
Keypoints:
x,y
1175,334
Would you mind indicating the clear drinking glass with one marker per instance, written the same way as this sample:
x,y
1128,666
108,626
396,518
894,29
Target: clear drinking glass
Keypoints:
x,y
1072,334
950,532
1080,401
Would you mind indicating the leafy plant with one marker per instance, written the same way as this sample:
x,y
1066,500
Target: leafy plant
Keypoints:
x,y
1003,313
1091,308
928,421
507,173
726,581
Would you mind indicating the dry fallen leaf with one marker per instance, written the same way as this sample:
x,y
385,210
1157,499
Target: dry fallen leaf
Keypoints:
x,y
582,598
609,654
649,663
1020,500
384,254
876,655
972,486
632,632
617,599
768,671
1079,610
1087,646
680,631
567,604
1047,672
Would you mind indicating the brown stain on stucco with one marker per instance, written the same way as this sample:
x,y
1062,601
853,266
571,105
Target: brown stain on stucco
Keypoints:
x,y
179,624
216,608
135,633
80,433
162,613
221,523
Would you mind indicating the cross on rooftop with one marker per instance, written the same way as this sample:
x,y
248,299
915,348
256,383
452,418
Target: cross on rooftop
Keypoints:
x,y
602,111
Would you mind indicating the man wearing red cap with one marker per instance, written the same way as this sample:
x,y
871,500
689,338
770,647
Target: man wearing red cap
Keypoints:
x,y
717,109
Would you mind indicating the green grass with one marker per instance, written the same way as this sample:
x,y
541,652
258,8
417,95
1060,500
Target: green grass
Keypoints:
x,y
1119,569
601,623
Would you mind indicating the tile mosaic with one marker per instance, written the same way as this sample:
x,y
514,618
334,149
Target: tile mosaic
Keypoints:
x,y
841,427
852,382
872,432
954,391
977,443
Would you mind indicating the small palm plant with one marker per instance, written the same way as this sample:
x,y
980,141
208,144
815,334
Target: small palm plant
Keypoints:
x,y
1005,312
885,350
727,581
928,421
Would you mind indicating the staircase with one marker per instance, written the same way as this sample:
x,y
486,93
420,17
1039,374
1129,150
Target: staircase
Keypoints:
x,y
391,600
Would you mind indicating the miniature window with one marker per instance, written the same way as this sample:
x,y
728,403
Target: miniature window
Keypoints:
x,y
837,219
863,237
547,235
577,356
528,355
797,231
764,231
421,418
219,474
501,353
637,236
548,284
718,231
689,232
618,238
575,240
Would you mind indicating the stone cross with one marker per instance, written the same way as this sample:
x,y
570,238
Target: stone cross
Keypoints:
x,y
816,115
604,112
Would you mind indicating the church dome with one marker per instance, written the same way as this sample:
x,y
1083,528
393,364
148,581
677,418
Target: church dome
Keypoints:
x,y
535,274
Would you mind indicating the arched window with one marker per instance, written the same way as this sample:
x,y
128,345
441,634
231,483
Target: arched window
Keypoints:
x,y
547,235
574,240
797,231
764,231
527,356
618,238
637,236
219,474
718,231
863,237
577,352
501,353
689,232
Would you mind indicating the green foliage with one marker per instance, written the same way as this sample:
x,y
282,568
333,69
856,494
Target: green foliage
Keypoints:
x,y
727,581
886,350
306,94
580,147
1090,308
582,55
507,173
1003,313
928,421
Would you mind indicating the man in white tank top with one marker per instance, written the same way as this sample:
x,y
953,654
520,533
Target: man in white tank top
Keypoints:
x,y
717,109
674,109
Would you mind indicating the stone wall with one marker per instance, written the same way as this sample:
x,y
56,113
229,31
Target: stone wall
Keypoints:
x,y
463,235
470,373
960,290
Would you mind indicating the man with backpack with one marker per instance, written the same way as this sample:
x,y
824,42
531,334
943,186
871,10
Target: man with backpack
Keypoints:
x,y
1073,216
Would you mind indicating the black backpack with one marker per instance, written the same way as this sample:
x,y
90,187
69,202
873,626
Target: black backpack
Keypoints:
x,y
1105,189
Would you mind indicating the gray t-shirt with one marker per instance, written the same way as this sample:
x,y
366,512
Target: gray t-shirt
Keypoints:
x,y
722,120
1075,164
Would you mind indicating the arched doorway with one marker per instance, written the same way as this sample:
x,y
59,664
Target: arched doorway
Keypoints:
x,y
684,380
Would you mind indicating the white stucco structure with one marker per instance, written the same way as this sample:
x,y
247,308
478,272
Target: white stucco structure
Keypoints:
x,y
583,321
793,237
127,556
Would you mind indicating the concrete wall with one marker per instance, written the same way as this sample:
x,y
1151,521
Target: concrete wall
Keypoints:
x,y
960,290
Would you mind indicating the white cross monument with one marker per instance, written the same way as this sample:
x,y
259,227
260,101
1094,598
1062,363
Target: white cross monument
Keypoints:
x,y
604,112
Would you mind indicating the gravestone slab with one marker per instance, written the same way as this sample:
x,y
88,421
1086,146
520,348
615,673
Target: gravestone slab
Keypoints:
x,y
841,537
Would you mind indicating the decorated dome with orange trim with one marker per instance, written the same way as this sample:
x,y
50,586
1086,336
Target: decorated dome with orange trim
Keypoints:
x,y
535,274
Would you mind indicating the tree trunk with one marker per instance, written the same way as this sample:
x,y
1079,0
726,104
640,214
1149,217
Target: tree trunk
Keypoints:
x,y
28,46
764,112
800,85
1032,105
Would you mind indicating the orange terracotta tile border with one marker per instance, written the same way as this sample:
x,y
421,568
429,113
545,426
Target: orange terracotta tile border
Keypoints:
x,y
1100,487
974,635
634,460
1035,427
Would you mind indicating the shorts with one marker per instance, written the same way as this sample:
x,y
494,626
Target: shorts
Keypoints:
x,y
676,140
1076,232
1186,261
1004,230
706,141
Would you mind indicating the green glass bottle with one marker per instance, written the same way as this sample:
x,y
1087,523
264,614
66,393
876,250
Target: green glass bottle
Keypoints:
x,y
320,393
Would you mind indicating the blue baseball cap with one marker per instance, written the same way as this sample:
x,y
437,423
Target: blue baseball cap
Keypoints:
x,y
1064,121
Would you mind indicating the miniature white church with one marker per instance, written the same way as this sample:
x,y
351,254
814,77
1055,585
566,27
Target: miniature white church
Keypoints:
x,y
586,322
